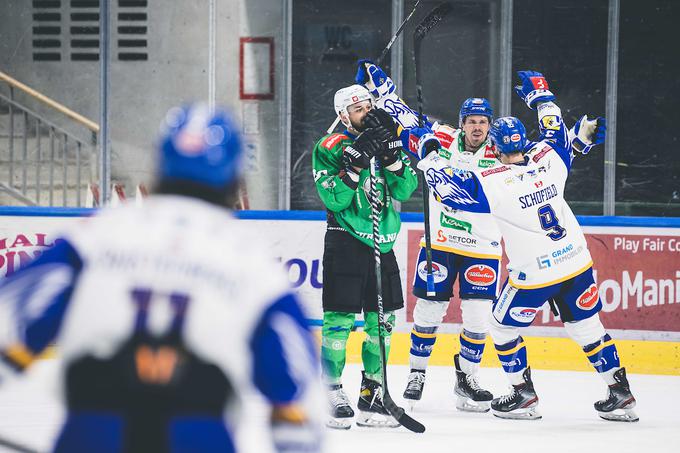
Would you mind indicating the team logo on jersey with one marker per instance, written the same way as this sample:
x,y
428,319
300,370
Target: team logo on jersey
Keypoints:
x,y
439,271
480,275
446,188
523,314
550,122
588,298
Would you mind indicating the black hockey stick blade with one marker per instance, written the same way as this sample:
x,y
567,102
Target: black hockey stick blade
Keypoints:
x,y
401,416
436,15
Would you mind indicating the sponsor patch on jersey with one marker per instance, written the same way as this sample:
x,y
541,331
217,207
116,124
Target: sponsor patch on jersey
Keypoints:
x,y
439,271
451,222
539,155
486,163
550,122
523,314
480,274
332,140
495,170
588,298
489,152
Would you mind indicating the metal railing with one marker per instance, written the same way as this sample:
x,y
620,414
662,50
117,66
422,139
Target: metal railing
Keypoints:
x,y
42,163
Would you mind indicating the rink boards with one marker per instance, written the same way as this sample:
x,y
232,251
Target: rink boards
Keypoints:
x,y
637,267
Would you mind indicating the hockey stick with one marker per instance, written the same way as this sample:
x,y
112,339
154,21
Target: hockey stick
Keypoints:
x,y
432,19
382,56
395,411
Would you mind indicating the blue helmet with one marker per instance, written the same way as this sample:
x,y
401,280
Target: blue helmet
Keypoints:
x,y
200,146
475,106
508,134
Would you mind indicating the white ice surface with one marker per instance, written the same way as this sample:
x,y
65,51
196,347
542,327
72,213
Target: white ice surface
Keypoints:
x,y
30,413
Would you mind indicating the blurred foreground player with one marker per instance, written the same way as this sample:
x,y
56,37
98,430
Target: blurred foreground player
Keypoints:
x,y
164,315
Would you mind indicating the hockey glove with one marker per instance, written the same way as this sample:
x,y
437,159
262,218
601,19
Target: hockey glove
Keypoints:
x,y
588,133
383,129
422,141
374,79
534,88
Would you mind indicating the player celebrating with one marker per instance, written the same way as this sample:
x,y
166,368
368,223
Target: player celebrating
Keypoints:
x,y
164,314
548,254
466,248
340,163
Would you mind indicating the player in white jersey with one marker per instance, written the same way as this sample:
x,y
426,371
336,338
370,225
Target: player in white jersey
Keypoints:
x,y
547,251
165,314
466,247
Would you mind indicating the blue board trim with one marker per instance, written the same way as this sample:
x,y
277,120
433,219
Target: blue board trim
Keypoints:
x,y
410,217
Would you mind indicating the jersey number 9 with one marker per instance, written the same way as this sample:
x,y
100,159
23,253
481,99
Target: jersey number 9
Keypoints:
x,y
550,223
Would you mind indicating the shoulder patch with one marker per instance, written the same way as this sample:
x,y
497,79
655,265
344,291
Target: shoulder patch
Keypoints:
x,y
491,171
446,134
539,155
489,151
332,140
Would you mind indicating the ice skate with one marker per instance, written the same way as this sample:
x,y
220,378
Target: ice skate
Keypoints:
x,y
520,403
414,387
372,413
341,413
618,406
471,397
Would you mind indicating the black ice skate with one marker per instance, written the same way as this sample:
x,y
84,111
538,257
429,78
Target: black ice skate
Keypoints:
x,y
372,413
341,412
414,387
620,401
520,403
471,397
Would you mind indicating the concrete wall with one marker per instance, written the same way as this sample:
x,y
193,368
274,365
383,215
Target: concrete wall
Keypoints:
x,y
141,92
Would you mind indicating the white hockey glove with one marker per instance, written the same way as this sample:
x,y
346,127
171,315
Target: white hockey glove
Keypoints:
x,y
587,133
374,79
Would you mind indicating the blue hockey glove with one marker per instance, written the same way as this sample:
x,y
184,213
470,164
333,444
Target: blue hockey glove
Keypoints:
x,y
588,133
374,79
534,88
422,141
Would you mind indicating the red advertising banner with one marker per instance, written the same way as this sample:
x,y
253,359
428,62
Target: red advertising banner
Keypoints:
x,y
638,278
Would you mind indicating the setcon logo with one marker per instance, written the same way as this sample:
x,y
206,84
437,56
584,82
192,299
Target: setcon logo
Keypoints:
x,y
480,275
588,299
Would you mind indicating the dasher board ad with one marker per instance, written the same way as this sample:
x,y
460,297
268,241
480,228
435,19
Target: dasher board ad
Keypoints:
x,y
637,269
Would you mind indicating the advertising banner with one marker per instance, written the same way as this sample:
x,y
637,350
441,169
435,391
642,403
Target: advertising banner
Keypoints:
x,y
637,269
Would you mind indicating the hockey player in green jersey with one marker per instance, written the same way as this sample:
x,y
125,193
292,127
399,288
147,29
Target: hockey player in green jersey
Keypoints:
x,y
340,163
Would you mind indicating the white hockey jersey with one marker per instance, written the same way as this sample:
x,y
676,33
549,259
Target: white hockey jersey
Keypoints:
x,y
543,240
176,266
452,230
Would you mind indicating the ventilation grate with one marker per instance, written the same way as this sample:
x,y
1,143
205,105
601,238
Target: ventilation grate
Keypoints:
x,y
47,30
81,21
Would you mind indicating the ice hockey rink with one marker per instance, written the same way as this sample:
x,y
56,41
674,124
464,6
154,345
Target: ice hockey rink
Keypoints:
x,y
30,415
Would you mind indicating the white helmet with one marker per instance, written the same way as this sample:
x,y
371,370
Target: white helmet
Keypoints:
x,y
345,97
